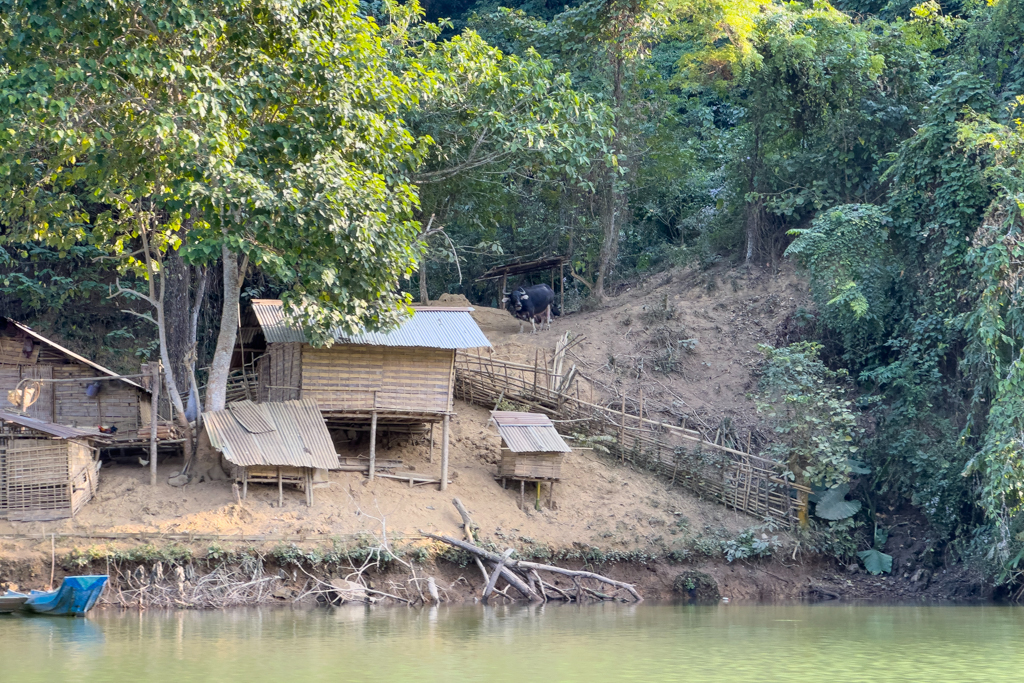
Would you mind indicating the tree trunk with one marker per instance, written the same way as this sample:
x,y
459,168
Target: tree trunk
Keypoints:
x,y
609,239
176,311
220,366
424,294
755,209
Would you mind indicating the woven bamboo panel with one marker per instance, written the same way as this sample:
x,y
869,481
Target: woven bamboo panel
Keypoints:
x,y
36,479
116,405
84,474
343,377
263,378
351,377
416,379
530,465
12,352
285,372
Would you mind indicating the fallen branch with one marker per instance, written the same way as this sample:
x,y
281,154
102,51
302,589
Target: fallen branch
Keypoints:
x,y
523,565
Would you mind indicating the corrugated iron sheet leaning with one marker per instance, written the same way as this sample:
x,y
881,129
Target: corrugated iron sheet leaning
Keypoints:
x,y
282,442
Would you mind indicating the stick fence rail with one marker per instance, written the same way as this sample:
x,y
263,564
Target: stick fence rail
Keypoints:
x,y
687,457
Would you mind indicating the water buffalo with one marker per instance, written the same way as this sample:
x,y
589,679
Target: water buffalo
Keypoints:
x,y
535,303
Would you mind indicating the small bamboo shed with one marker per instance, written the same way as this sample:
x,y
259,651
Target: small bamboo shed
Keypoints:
x,y
63,376
532,450
274,443
402,377
47,471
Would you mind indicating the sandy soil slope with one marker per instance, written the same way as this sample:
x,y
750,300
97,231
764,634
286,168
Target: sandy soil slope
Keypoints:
x,y
599,502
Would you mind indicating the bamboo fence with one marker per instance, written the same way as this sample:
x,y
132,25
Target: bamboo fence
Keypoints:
x,y
691,458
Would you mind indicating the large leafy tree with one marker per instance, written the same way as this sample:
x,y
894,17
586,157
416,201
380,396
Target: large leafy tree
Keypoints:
x,y
257,133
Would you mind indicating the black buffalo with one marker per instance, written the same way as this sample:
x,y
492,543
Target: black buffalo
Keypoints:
x,y
535,303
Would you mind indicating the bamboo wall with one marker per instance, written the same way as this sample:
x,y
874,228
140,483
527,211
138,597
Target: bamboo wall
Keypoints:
x,y
117,404
44,478
688,457
349,378
285,372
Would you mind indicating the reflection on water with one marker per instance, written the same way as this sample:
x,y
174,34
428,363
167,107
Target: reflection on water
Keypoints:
x,y
652,643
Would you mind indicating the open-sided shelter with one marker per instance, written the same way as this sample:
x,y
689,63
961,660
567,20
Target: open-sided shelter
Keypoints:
x,y
63,383
405,376
47,471
532,450
282,442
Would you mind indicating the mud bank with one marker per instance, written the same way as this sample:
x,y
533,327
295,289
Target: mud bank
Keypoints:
x,y
210,576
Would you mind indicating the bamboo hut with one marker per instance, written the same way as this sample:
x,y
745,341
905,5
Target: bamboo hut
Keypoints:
x,y
47,471
62,377
279,443
402,377
532,451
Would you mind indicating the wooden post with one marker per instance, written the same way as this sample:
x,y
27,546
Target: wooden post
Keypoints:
x,y
373,442
640,422
561,287
444,452
430,458
309,486
245,482
501,290
522,494
622,431
536,505
155,397
280,489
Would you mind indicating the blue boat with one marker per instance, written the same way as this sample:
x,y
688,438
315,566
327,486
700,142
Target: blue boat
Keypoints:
x,y
12,601
75,597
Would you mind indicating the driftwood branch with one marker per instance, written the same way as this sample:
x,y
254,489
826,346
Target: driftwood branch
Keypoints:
x,y
525,566
496,572
469,528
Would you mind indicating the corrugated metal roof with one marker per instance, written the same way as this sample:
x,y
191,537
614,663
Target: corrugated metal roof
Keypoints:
x,y
298,438
528,433
435,328
51,428
250,416
68,352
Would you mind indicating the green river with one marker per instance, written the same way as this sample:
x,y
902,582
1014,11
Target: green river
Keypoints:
x,y
823,643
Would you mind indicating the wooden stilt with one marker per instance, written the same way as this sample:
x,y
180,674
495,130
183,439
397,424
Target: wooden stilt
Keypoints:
x,y
551,495
280,489
536,504
444,452
373,443
245,482
522,494
309,487
430,457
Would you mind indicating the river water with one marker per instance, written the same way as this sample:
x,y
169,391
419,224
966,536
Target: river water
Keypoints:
x,y
735,643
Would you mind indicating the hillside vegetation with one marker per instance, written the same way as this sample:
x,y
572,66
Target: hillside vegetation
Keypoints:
x,y
163,161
